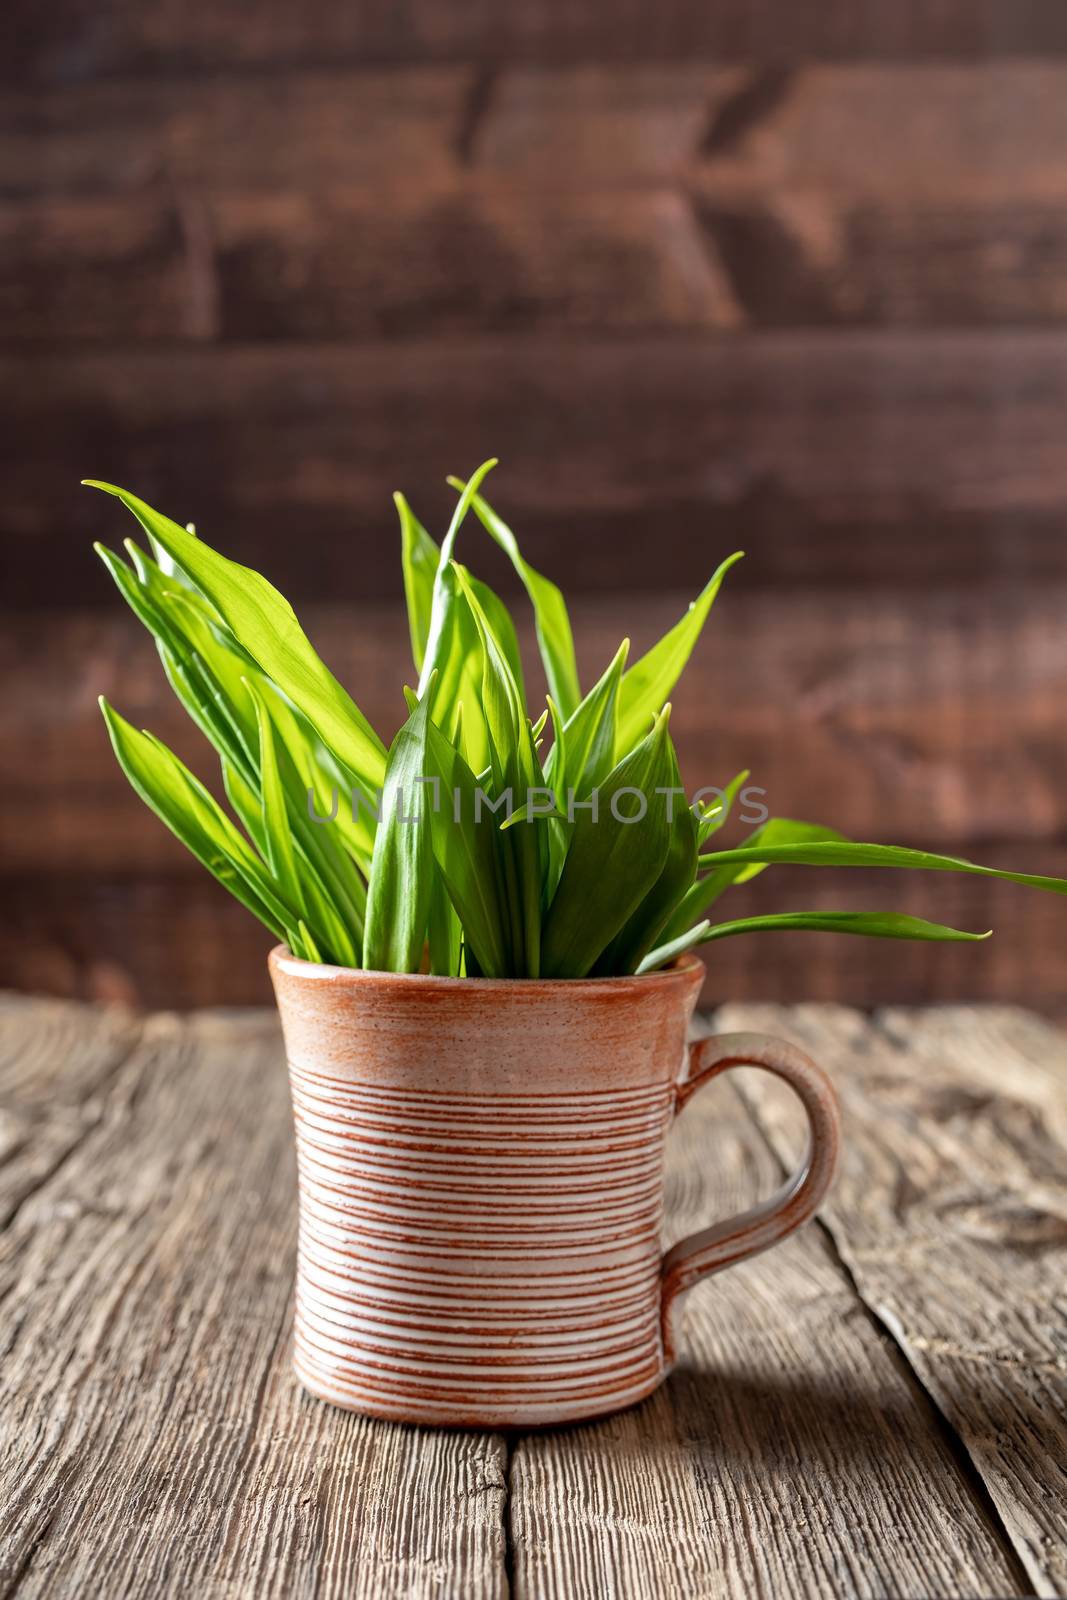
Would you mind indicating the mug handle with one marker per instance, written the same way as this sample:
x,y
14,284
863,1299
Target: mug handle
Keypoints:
x,y
765,1224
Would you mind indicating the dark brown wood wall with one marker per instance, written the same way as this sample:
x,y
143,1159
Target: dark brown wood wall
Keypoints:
x,y
791,278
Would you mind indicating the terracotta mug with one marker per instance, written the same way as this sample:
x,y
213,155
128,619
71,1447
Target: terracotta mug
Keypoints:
x,y
481,1187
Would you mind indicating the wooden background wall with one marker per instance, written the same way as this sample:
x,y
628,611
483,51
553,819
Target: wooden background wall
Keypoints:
x,y
787,277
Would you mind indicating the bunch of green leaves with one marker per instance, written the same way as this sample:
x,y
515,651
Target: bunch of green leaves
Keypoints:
x,y
465,847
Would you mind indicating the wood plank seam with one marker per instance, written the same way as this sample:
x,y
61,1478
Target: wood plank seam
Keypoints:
x,y
971,1097
967,1467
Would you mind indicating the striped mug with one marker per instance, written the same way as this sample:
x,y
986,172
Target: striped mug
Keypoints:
x,y
481,1187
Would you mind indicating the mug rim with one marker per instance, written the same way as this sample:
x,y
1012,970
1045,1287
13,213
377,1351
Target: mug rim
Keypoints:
x,y
680,971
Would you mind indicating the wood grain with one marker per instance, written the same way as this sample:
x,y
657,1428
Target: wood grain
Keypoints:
x,y
99,269
336,264
950,1217
154,1441
322,127
788,1454
901,459
354,204
333,265
76,39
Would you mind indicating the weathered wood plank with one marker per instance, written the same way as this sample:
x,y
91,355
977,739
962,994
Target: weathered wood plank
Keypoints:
x,y
154,1441
789,1454
899,458
803,261
54,1078
407,128
102,269
375,203
909,134
337,265
904,134
904,194
300,128
950,1216
79,40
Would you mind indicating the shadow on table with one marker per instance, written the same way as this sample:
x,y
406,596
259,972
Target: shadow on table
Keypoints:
x,y
787,1417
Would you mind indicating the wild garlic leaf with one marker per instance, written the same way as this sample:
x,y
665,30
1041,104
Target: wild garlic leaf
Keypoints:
x,y
715,815
195,817
246,803
877,925
871,924
444,932
499,620
267,626
649,682
556,777
398,893
645,924
609,867
444,596
465,850
777,831
844,853
551,621
664,954
586,754
281,857
455,657
419,558
516,772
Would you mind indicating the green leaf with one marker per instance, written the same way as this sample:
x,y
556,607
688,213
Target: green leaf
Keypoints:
x,y
419,557
844,853
556,772
870,924
665,953
464,847
303,945
716,815
551,621
499,620
267,627
648,684
515,769
445,598
586,753
246,803
398,894
444,932
276,834
633,941
777,831
195,817
610,866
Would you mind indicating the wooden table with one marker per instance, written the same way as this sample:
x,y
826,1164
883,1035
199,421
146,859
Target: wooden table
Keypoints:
x,y
875,1409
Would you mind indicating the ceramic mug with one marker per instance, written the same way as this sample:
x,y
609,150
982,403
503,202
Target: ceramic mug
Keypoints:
x,y
481,1186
